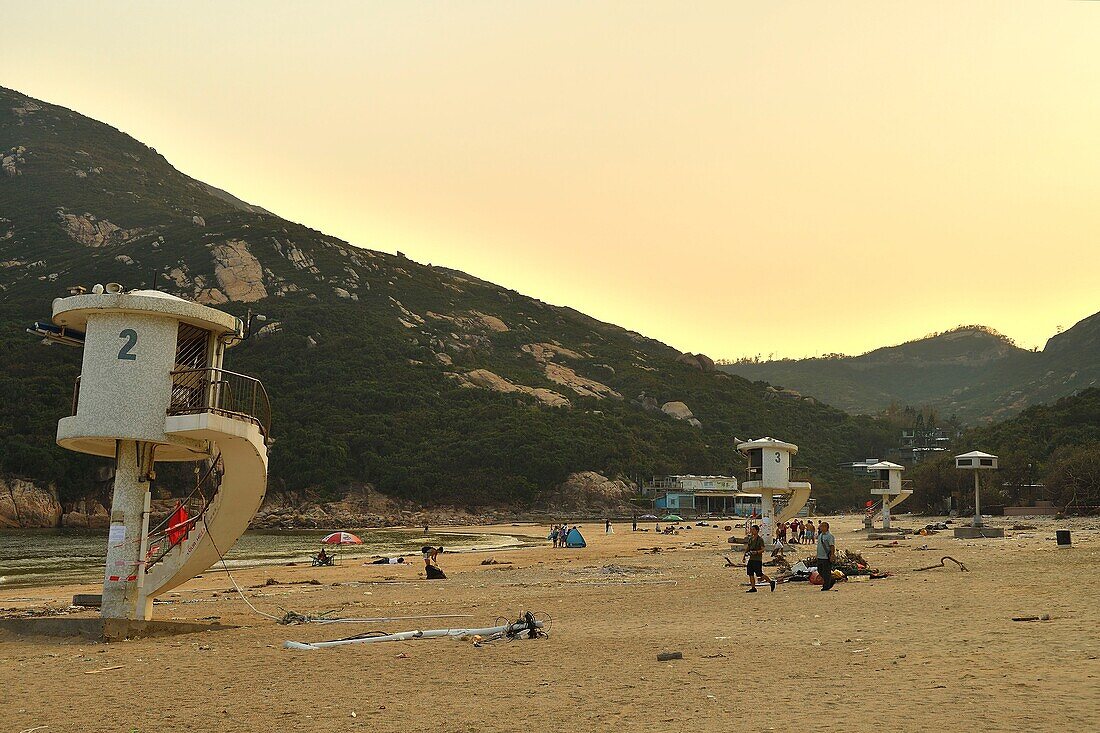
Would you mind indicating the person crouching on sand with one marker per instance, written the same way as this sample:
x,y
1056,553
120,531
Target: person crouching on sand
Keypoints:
x,y
754,548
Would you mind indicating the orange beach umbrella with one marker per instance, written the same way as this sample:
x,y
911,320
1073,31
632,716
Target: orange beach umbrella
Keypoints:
x,y
341,538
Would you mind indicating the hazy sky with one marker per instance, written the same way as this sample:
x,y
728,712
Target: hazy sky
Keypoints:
x,y
729,177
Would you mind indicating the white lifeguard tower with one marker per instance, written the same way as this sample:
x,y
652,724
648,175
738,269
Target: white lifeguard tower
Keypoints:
x,y
890,488
977,461
152,389
769,474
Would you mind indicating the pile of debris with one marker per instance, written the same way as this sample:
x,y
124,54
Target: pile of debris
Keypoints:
x,y
849,564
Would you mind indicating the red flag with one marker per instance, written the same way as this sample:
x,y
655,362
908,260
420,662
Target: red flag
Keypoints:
x,y
178,524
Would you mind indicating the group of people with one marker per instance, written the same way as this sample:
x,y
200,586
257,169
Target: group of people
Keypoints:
x,y
559,533
796,532
825,555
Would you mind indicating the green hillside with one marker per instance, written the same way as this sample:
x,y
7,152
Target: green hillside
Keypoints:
x,y
424,382
1056,445
971,372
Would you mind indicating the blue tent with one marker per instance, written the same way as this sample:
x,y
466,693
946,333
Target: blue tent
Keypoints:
x,y
574,539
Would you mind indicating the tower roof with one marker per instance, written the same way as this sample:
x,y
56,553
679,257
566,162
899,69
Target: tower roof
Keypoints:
x,y
768,443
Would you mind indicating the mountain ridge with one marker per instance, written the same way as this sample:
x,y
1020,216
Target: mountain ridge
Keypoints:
x,y
426,383
972,372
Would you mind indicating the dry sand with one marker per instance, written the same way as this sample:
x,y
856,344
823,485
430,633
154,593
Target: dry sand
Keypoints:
x,y
919,651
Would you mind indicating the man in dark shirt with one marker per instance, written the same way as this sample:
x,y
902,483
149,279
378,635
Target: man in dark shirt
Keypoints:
x,y
754,548
826,553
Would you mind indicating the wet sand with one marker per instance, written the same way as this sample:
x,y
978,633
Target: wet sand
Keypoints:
x,y
919,651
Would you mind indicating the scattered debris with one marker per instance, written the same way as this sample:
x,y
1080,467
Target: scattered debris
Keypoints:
x,y
492,561
942,565
526,626
103,669
669,656
1042,617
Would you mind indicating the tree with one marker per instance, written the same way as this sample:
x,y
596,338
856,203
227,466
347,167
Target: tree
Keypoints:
x,y
1073,481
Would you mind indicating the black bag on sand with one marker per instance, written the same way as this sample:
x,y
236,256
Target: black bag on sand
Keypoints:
x,y
434,573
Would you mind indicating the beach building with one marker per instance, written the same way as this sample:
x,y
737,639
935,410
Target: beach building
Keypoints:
x,y
693,495
918,443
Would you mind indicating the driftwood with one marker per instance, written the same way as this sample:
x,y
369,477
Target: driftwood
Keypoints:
x,y
942,565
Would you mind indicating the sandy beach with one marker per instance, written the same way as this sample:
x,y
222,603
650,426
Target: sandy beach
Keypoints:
x,y
917,651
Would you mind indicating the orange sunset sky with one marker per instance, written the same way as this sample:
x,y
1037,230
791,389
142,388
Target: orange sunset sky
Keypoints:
x,y
729,177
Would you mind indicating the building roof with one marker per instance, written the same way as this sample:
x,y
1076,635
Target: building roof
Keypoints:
x,y
766,443
885,466
976,454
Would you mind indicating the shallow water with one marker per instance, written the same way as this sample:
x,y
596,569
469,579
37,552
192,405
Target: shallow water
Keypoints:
x,y
36,557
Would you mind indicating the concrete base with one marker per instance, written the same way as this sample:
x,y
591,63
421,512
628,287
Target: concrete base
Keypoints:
x,y
98,629
977,533
887,534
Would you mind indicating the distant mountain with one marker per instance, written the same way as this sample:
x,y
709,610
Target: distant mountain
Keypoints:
x,y
427,383
971,371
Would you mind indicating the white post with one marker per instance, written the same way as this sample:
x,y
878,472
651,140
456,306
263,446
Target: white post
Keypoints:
x,y
886,511
767,517
977,501
125,543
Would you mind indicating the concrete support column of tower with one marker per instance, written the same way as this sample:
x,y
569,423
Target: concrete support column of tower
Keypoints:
x,y
886,499
767,516
127,539
977,501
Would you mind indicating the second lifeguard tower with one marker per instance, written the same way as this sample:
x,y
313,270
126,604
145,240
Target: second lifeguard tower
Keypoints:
x,y
769,473
891,489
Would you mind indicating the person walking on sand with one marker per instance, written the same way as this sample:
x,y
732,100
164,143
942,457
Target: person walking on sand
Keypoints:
x,y
826,554
754,548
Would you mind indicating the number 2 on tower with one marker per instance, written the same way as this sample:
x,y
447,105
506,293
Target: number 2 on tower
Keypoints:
x,y
130,335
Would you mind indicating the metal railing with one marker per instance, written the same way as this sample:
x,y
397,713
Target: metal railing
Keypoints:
x,y
218,390
175,528
906,484
756,473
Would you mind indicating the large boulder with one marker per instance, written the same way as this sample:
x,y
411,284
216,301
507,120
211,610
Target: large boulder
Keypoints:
x,y
27,505
680,411
588,492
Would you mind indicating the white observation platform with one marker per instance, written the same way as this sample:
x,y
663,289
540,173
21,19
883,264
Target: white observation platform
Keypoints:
x,y
889,487
151,389
769,474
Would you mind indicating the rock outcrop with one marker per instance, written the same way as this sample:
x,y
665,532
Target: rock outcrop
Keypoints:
x,y
86,229
9,161
485,379
702,362
680,411
544,353
589,492
24,504
239,273
583,386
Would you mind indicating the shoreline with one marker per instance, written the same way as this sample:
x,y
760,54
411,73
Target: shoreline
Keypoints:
x,y
945,639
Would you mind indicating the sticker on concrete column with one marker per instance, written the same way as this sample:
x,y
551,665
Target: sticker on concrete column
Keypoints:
x,y
117,534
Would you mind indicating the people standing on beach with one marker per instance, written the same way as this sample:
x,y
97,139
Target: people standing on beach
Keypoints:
x,y
783,533
826,554
607,527
754,548
634,524
808,532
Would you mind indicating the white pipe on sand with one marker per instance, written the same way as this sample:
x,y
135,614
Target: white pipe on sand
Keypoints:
x,y
408,635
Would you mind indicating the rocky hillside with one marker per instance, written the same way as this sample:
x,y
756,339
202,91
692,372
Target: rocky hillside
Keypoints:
x,y
427,384
971,371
